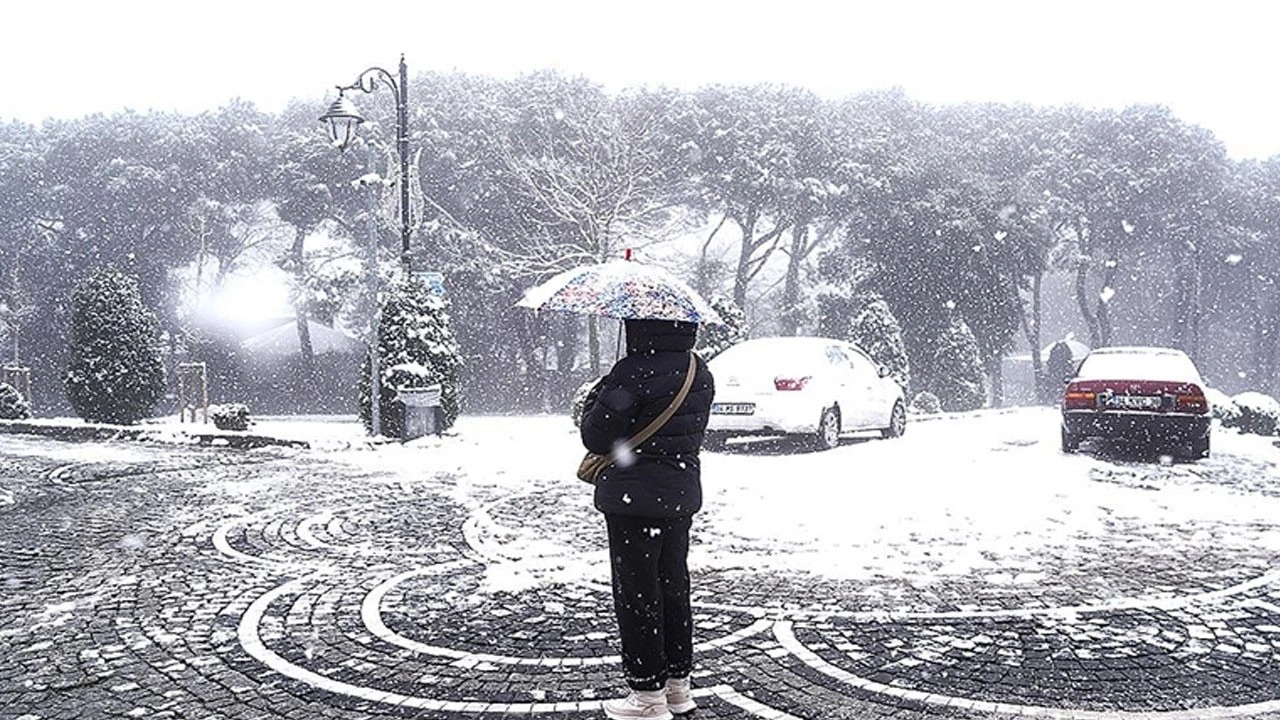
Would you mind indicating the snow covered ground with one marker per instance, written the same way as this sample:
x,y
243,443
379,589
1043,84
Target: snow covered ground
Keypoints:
x,y
985,498
970,562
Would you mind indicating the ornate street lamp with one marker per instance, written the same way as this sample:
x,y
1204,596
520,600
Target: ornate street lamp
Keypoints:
x,y
343,119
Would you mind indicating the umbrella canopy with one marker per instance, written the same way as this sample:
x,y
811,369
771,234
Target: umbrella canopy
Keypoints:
x,y
621,289
1077,348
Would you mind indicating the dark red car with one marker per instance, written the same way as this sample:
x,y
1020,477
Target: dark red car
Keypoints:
x,y
1147,395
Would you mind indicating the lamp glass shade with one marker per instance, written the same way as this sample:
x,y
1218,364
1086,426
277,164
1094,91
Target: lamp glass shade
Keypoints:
x,y
341,131
342,118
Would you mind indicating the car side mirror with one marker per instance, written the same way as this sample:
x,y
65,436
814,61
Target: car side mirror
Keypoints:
x,y
883,372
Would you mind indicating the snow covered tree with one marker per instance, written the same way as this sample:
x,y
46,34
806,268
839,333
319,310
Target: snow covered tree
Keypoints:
x,y
12,406
956,374
876,331
115,373
748,145
715,339
417,348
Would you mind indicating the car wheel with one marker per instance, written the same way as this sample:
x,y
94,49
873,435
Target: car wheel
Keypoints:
x,y
897,422
1070,443
714,441
828,434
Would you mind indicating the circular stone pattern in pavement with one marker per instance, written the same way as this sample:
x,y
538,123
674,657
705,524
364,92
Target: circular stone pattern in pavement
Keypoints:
x,y
284,583
1136,660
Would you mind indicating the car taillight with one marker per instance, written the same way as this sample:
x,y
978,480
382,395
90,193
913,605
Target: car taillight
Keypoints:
x,y
1193,401
783,384
1080,399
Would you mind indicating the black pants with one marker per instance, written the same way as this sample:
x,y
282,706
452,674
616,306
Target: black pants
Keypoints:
x,y
650,560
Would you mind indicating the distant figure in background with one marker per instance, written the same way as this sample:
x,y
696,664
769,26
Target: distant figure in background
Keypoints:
x,y
648,498
1060,368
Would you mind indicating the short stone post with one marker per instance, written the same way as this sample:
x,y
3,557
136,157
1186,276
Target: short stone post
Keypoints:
x,y
193,391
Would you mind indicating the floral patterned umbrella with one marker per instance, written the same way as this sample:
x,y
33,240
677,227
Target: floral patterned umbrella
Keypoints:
x,y
621,289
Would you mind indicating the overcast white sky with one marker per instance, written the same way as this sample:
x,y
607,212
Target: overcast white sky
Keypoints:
x,y
1213,63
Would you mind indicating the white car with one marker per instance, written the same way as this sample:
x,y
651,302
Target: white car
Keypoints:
x,y
810,386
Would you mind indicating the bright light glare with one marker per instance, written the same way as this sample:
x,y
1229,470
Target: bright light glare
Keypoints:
x,y
252,297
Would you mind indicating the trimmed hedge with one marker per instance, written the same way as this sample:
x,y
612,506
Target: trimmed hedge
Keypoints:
x,y
926,403
1259,413
1224,408
231,416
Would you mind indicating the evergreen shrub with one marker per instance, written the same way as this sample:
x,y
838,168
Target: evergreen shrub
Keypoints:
x,y
876,331
416,334
115,373
714,339
12,405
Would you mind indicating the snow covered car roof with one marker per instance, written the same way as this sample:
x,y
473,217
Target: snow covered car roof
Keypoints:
x,y
1139,363
766,353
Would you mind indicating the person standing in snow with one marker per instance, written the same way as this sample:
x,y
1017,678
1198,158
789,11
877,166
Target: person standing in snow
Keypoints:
x,y
648,498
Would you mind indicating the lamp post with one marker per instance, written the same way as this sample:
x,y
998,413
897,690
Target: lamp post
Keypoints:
x,y
375,324
343,119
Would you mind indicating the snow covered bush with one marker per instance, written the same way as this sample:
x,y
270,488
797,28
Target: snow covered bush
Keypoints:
x,y
230,416
957,377
115,373
714,339
12,406
415,333
1259,413
926,403
877,332
580,401
1224,408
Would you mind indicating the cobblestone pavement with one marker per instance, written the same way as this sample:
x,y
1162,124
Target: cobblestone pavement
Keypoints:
x,y
148,581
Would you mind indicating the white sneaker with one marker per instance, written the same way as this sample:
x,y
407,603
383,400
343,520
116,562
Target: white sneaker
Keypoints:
x,y
646,704
679,701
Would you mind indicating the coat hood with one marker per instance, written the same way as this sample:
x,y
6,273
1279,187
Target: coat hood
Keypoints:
x,y
650,336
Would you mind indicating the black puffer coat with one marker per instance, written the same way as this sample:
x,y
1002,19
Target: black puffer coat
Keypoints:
x,y
662,479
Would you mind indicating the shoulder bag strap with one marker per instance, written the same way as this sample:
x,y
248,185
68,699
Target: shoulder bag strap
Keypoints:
x,y
661,420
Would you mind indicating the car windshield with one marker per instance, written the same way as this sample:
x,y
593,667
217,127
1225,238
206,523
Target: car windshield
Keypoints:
x,y
1161,366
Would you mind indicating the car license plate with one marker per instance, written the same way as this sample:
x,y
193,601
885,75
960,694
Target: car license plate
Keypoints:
x,y
1135,402
733,408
